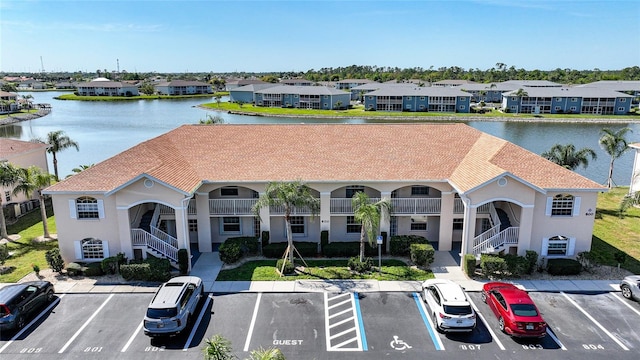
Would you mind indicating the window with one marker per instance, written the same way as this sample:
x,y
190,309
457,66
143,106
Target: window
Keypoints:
x,y
92,249
574,99
231,225
352,225
370,97
421,98
421,107
620,109
297,225
193,225
418,225
352,190
87,208
623,100
458,224
463,98
557,108
419,190
7,196
558,245
573,108
562,205
229,191
558,99
409,106
326,96
461,107
409,97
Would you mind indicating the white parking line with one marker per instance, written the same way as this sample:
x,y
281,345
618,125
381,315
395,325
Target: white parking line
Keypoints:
x,y
555,338
626,303
133,336
197,324
84,325
486,325
253,322
19,333
594,321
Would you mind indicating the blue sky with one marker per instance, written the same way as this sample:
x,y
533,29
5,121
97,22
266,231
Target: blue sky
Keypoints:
x,y
270,35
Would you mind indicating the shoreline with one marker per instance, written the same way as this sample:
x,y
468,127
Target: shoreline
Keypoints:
x,y
437,118
12,119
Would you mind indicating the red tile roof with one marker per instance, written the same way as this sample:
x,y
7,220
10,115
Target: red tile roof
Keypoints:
x,y
192,154
12,147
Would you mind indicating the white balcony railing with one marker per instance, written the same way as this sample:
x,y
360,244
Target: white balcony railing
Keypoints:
x,y
231,206
344,205
415,205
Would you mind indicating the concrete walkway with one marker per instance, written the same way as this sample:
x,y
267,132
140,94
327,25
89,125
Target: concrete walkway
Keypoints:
x,y
208,265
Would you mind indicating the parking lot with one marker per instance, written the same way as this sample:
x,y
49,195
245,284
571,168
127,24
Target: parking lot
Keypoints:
x,y
373,325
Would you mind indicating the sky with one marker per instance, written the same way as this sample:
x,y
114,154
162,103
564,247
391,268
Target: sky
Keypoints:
x,y
280,36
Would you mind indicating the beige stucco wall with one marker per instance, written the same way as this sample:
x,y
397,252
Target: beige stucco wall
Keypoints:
x,y
37,157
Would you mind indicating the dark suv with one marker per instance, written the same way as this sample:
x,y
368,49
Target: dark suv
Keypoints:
x,y
20,302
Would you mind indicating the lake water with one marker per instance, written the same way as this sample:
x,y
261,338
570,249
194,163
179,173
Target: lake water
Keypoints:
x,y
104,129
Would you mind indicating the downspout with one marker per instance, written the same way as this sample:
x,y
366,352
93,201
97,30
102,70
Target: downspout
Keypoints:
x,y
466,231
185,230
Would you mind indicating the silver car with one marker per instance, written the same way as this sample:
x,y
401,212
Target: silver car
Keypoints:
x,y
173,306
630,287
450,308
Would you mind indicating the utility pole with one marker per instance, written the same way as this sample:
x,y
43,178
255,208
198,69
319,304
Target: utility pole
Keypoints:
x,y
41,65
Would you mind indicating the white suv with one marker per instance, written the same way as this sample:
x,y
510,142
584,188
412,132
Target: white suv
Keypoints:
x,y
450,308
173,306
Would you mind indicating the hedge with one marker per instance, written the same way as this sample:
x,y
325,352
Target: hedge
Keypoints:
x,y
400,244
348,249
563,267
470,264
276,250
289,268
183,261
151,269
234,248
492,265
422,254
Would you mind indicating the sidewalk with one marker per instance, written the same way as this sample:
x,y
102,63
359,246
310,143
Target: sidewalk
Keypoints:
x,y
208,265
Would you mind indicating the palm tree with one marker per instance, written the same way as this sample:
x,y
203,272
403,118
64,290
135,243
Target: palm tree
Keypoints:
x,y
615,144
212,120
567,156
58,141
629,201
218,348
218,97
8,177
266,354
33,180
521,93
290,195
79,169
368,215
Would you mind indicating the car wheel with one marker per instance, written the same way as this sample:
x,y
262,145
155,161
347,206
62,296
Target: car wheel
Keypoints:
x,y
484,297
501,324
626,291
50,296
20,322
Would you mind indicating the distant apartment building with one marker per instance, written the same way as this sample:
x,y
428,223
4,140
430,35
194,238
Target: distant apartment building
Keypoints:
x,y
106,87
183,87
413,98
302,97
567,100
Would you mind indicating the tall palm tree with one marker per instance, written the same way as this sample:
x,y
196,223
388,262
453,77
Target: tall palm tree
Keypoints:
x,y
567,156
290,195
58,141
8,177
33,180
212,120
368,215
79,169
615,144
629,201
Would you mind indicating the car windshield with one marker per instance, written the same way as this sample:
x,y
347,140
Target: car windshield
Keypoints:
x,y
457,310
161,313
524,310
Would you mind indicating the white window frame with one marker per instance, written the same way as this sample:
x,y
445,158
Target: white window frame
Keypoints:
x,y
558,99
620,108
76,208
573,108
295,222
462,107
558,108
89,248
421,98
574,99
555,203
568,242
623,100
421,223
351,222
230,232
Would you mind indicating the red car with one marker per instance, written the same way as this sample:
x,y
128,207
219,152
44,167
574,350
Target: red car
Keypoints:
x,y
517,315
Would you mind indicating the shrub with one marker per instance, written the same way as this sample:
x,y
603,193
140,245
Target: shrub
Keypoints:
x,y
159,269
218,348
324,239
266,354
348,249
516,265
289,268
135,271
74,269
531,258
93,269
4,254
356,265
249,245
183,261
400,244
470,264
54,259
563,267
265,238
588,260
422,254
492,265
110,265
230,252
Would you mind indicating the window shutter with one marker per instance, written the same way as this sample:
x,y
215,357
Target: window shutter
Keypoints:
x,y
545,247
576,206
101,209
78,248
549,205
571,246
105,248
73,212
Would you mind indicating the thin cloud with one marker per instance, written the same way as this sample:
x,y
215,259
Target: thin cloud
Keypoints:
x,y
103,28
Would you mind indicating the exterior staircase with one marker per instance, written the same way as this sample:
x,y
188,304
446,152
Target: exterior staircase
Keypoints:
x,y
156,242
499,236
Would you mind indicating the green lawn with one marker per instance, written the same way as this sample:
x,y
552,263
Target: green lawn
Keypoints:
x,y
139,97
264,270
359,112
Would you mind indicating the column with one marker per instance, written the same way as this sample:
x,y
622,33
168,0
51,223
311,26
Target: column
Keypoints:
x,y
182,228
124,232
325,211
204,223
524,234
468,228
445,236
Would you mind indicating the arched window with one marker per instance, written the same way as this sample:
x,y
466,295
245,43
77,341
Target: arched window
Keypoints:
x,y
87,208
558,246
562,205
92,248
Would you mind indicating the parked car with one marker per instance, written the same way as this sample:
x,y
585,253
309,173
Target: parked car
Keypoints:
x,y
630,287
517,314
450,308
173,306
20,302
